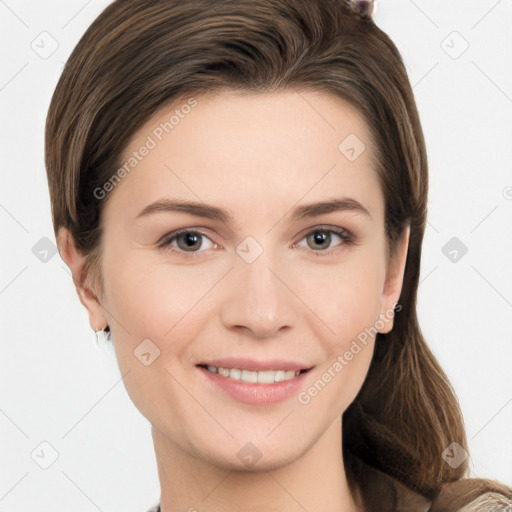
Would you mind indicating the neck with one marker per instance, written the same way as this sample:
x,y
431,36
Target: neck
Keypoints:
x,y
315,482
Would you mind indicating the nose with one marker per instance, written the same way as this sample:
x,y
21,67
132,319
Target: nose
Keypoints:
x,y
258,299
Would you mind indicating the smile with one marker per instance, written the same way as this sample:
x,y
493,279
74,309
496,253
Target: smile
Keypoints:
x,y
260,377
255,387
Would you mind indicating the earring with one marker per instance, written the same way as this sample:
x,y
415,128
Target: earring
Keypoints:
x,y
103,339
106,350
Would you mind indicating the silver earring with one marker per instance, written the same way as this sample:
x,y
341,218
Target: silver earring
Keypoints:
x,y
106,350
104,339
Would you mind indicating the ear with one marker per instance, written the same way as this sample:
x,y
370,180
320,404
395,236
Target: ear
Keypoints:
x,y
75,261
393,282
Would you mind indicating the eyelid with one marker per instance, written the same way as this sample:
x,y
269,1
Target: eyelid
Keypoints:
x,y
173,234
327,227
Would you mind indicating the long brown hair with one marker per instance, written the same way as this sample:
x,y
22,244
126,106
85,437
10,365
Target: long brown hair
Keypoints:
x,y
139,57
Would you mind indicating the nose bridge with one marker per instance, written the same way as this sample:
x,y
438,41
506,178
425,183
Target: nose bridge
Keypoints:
x,y
258,300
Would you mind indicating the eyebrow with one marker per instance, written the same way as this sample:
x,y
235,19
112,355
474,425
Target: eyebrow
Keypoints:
x,y
212,212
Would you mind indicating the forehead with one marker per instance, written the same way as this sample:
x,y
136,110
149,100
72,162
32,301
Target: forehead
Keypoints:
x,y
272,148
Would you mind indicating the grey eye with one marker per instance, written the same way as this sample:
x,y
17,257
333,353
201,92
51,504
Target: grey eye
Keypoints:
x,y
190,241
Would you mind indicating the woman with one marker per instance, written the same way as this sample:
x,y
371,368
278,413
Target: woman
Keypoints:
x,y
240,191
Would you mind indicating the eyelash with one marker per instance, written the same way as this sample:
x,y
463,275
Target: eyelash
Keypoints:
x,y
346,236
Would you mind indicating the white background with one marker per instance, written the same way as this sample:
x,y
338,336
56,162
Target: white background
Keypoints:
x,y
57,388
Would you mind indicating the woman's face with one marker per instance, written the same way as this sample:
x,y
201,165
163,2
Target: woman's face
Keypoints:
x,y
257,276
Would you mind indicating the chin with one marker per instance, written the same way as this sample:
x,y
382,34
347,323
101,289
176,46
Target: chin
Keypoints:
x,y
258,465
239,454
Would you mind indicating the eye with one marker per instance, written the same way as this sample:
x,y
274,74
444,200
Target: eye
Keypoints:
x,y
188,242
185,242
320,238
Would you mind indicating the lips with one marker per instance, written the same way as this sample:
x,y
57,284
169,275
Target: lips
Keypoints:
x,y
269,387
255,365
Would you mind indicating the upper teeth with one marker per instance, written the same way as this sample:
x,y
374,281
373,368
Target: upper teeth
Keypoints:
x,y
263,377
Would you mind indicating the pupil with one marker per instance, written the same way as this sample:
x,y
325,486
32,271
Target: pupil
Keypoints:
x,y
321,238
190,240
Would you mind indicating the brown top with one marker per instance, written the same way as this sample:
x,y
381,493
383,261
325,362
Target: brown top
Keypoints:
x,y
409,501
382,493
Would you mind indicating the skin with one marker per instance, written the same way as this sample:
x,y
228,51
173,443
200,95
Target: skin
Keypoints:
x,y
258,156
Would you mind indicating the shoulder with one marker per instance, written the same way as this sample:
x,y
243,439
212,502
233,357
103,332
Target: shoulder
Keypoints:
x,y
489,502
473,495
383,493
469,495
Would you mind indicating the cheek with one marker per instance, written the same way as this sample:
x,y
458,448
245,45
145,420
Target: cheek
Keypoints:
x,y
166,304
349,304
156,315
346,297
352,313
152,296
